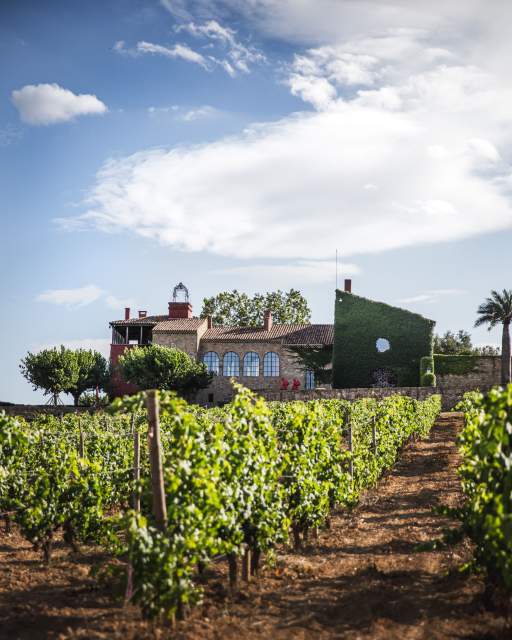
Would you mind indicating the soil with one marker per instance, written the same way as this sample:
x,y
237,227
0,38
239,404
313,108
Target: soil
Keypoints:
x,y
364,578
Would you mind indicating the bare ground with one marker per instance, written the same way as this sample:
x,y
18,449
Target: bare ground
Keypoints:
x,y
363,579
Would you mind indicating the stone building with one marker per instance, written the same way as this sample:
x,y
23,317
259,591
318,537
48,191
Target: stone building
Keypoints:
x,y
257,357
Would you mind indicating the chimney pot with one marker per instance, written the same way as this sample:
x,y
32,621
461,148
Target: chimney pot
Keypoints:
x,y
267,320
209,320
127,313
348,285
143,314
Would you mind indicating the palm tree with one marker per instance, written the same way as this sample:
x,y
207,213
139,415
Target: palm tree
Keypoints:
x,y
498,310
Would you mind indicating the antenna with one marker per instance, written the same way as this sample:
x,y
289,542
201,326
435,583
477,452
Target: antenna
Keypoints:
x,y
336,269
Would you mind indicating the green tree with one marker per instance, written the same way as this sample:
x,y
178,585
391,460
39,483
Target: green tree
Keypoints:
x,y
93,373
52,370
235,309
460,344
164,368
494,311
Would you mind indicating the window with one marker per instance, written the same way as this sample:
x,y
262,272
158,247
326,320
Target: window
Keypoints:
x,y
251,364
309,381
271,365
382,345
231,364
212,362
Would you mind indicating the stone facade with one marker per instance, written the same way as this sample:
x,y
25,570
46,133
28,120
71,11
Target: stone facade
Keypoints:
x,y
221,390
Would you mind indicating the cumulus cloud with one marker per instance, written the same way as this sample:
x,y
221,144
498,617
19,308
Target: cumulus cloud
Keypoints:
x,y
50,103
403,109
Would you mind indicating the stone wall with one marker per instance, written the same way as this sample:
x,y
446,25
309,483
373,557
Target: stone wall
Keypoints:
x,y
33,411
220,390
419,393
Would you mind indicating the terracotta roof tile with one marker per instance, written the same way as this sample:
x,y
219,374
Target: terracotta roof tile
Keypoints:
x,y
148,320
182,325
296,334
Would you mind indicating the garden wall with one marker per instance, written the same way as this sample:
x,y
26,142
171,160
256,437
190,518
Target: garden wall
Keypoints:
x,y
32,411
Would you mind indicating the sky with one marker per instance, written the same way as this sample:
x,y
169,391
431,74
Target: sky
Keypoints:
x,y
240,144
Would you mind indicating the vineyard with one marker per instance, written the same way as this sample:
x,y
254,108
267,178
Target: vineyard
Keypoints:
x,y
169,488
486,472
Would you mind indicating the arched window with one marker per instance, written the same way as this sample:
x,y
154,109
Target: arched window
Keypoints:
x,y
231,364
212,362
271,364
309,381
251,364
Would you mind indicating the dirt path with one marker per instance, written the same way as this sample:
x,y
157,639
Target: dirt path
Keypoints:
x,y
362,579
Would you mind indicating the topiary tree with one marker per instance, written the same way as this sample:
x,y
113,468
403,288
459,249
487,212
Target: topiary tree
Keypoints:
x,y
164,368
52,370
235,309
494,311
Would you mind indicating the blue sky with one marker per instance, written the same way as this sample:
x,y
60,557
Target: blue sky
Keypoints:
x,y
238,144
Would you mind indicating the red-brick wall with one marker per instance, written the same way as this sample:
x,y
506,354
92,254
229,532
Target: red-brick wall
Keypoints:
x,y
119,386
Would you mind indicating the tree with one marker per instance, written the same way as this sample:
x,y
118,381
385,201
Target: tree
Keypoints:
x,y
235,309
164,368
52,370
460,344
453,343
494,311
92,373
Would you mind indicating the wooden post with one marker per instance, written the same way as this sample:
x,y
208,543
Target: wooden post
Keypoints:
x,y
246,564
136,470
314,533
82,444
233,571
350,448
374,436
155,457
255,561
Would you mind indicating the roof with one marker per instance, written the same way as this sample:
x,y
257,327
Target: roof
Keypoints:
x,y
148,320
181,325
290,334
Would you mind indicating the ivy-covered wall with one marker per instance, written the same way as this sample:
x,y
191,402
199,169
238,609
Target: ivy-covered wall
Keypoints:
x,y
358,324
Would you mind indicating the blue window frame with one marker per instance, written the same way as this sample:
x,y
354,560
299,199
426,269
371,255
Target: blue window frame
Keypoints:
x,y
212,362
271,365
231,364
251,364
309,381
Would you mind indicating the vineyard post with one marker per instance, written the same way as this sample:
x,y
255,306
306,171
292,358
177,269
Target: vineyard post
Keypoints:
x,y
136,470
246,564
374,436
82,442
350,448
155,457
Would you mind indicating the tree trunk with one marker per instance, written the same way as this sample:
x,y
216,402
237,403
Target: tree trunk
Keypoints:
x,y
506,372
76,398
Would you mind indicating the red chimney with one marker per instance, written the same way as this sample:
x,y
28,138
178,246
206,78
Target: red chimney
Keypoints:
x,y
180,310
348,286
267,320
209,320
143,314
127,313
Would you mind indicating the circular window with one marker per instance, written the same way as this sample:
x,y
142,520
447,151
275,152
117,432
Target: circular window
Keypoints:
x,y
382,345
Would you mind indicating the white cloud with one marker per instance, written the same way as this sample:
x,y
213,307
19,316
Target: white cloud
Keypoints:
x,y
206,111
50,103
96,344
72,297
306,271
431,296
176,51
239,56
82,296
401,104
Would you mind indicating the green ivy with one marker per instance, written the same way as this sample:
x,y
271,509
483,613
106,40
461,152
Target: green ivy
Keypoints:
x,y
455,364
358,325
